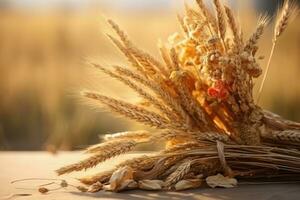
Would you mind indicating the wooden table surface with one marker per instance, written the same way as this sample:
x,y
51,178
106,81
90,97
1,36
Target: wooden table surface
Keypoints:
x,y
19,165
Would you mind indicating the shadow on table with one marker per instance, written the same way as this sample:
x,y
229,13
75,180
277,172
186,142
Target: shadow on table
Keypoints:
x,y
245,192
144,195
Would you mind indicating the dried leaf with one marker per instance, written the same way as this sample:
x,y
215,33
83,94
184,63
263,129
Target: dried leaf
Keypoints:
x,y
107,187
119,177
81,188
128,185
96,187
151,184
188,184
220,181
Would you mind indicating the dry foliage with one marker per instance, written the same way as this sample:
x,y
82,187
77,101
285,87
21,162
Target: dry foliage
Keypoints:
x,y
200,101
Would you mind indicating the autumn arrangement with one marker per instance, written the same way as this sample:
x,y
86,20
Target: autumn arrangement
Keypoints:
x,y
200,101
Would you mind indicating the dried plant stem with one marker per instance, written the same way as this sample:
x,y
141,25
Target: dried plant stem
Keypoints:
x,y
165,56
127,54
283,17
182,24
253,40
161,107
290,136
158,89
208,17
221,20
233,26
179,173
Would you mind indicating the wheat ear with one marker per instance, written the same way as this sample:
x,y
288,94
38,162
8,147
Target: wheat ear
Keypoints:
x,y
158,89
106,151
287,13
179,173
252,41
159,105
127,54
130,111
123,36
208,17
284,136
284,16
175,60
233,26
165,56
221,19
145,59
182,25
131,52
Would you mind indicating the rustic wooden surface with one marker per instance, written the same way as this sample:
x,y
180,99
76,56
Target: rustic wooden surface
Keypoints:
x,y
19,165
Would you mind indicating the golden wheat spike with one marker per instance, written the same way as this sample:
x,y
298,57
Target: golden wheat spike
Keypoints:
x,y
145,59
221,18
233,26
155,102
127,53
174,58
252,41
179,173
106,151
288,136
284,16
130,111
182,24
123,36
210,21
289,10
159,89
165,56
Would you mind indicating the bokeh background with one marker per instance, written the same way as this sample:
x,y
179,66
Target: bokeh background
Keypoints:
x,y
44,45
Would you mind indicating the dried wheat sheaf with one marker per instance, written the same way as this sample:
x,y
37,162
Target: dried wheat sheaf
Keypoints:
x,y
200,101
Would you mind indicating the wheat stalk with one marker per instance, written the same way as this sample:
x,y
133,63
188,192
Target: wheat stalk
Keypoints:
x,y
174,58
165,56
284,16
128,54
290,136
161,107
178,174
252,41
158,89
182,24
208,17
145,59
288,11
233,26
221,17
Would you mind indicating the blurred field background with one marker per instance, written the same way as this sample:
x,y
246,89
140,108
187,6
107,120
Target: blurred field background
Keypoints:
x,y
43,47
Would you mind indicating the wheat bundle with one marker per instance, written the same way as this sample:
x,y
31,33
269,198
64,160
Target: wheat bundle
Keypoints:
x,y
201,103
